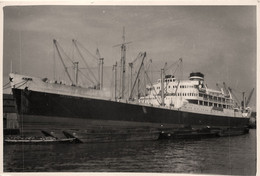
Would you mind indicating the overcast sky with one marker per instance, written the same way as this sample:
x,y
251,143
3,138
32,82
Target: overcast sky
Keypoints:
x,y
219,41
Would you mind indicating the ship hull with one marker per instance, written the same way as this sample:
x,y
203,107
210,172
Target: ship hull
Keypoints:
x,y
47,111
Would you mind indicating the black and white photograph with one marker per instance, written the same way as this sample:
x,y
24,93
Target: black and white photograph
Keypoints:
x,y
139,88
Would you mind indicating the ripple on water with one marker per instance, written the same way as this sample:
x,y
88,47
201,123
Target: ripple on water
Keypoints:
x,y
227,155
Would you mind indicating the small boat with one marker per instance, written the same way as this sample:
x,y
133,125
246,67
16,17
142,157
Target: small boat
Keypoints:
x,y
34,140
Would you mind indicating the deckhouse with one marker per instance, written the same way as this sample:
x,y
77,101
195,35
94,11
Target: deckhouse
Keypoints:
x,y
194,91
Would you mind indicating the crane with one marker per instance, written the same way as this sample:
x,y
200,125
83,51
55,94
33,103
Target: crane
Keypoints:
x,y
66,68
131,69
81,56
231,92
143,55
249,97
221,89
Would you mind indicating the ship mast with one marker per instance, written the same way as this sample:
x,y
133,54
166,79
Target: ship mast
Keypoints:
x,y
123,55
115,75
76,67
100,69
131,75
162,86
243,102
123,60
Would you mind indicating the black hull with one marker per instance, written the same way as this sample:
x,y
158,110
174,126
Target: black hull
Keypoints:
x,y
54,111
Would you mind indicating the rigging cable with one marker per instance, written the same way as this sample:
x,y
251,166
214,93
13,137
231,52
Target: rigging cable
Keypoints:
x,y
152,88
74,41
7,84
22,83
87,77
95,57
64,52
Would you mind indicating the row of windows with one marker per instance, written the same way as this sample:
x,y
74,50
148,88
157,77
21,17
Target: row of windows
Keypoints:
x,y
216,98
187,94
187,86
205,103
172,87
169,80
182,86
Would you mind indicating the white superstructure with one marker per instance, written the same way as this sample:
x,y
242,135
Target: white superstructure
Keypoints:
x,y
193,95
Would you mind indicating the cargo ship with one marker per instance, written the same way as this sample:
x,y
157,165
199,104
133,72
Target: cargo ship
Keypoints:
x,y
169,104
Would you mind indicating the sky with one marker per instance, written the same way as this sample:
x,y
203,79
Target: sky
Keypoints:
x,y
219,41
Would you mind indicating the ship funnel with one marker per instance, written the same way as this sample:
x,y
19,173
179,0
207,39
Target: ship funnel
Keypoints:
x,y
196,76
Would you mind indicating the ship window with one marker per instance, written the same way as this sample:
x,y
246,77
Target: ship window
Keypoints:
x,y
210,104
206,103
200,94
200,102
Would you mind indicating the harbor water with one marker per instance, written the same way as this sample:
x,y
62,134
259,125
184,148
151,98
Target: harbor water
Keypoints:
x,y
234,155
